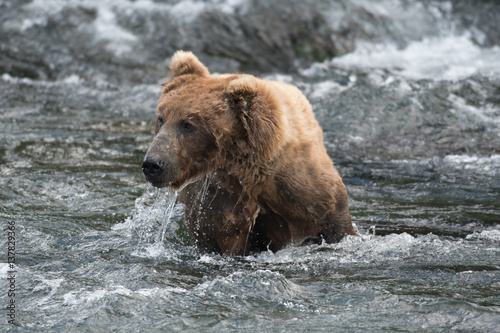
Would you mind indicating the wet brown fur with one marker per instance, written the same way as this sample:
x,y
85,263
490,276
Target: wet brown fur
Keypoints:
x,y
271,180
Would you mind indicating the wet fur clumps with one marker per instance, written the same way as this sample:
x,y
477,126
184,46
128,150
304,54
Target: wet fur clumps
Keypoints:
x,y
248,158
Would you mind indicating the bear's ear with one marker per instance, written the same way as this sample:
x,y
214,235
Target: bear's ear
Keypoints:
x,y
253,109
183,63
240,93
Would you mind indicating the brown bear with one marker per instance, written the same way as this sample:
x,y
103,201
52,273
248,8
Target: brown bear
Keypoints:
x,y
248,159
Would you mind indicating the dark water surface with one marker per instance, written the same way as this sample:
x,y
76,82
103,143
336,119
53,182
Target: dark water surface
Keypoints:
x,y
411,115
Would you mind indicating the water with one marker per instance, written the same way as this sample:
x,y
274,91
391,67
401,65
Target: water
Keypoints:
x,y
411,117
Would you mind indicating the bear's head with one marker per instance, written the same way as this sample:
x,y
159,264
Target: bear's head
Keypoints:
x,y
204,123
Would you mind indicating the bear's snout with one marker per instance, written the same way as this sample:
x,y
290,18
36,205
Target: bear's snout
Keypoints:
x,y
160,166
153,168
158,172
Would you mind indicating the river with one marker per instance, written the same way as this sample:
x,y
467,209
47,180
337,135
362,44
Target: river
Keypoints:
x,y
408,95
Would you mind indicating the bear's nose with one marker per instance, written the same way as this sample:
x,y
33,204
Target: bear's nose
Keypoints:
x,y
152,168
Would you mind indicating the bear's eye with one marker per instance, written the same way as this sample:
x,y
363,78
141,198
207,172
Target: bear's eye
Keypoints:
x,y
160,121
187,126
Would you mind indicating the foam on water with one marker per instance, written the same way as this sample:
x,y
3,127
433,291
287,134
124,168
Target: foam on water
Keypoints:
x,y
87,298
4,268
493,235
260,282
474,165
119,41
441,58
44,285
488,113
483,165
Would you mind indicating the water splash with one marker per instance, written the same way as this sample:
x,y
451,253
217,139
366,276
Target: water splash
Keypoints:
x,y
153,219
172,198
202,194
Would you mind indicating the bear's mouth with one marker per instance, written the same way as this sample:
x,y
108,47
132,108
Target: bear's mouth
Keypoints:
x,y
159,184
